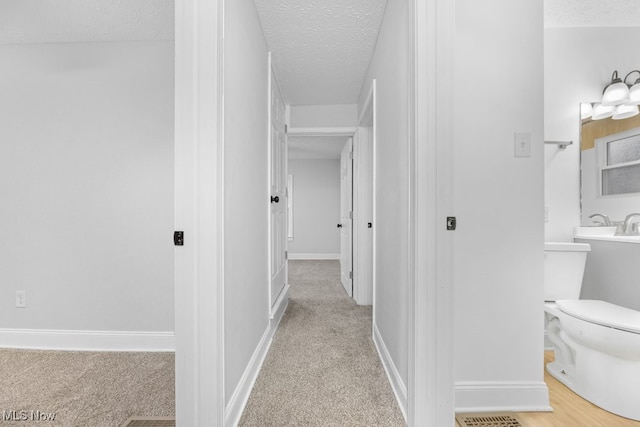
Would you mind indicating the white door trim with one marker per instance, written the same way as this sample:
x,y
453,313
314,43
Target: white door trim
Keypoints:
x,y
362,293
272,307
431,380
346,217
199,173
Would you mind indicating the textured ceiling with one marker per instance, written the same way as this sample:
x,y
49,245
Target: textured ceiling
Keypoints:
x,y
591,13
315,147
321,48
38,21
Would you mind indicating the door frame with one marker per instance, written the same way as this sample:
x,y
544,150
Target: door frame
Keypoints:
x,y
349,165
199,212
358,218
199,191
362,295
349,132
430,397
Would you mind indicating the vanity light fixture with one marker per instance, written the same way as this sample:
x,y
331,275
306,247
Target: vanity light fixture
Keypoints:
x,y
620,99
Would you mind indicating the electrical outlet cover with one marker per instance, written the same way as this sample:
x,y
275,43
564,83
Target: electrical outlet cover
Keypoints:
x,y
21,299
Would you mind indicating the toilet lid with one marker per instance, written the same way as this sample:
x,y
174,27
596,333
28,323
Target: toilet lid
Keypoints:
x,y
602,313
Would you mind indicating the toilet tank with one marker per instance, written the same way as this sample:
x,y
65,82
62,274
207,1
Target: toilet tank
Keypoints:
x,y
563,269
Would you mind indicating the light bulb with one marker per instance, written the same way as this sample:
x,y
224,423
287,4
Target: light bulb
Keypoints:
x,y
625,111
602,111
586,110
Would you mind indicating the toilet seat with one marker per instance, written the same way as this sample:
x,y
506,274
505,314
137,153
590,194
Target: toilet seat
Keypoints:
x,y
602,313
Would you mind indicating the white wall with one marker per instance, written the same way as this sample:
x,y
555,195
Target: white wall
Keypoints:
x,y
339,115
389,68
316,208
246,191
498,199
86,161
578,64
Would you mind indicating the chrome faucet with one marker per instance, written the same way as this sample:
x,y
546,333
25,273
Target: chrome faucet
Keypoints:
x,y
607,221
630,227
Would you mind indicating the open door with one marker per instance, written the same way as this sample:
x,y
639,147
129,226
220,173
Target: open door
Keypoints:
x,y
278,196
346,217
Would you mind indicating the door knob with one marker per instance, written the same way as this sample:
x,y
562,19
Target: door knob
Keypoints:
x,y
339,225
275,199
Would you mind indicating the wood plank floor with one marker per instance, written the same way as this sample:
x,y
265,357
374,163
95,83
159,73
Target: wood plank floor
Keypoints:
x,y
570,410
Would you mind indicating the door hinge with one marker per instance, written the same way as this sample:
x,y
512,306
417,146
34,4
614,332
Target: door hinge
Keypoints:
x,y
350,214
351,155
286,254
178,238
286,128
351,275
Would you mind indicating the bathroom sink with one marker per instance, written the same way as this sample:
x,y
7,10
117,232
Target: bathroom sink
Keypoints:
x,y
603,233
590,231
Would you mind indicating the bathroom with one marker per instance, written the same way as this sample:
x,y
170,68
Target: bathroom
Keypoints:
x,y
579,63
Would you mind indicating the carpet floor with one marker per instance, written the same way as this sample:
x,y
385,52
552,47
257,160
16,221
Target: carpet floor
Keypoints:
x,y
322,368
83,389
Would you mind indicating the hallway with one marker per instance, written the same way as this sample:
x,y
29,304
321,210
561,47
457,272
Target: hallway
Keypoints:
x,y
322,368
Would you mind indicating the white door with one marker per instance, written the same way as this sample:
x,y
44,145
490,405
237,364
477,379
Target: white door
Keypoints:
x,y
346,217
278,190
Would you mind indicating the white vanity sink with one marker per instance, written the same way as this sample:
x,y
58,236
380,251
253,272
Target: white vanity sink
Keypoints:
x,y
603,233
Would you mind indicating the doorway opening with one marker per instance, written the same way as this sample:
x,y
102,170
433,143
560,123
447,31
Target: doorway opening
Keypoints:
x,y
349,150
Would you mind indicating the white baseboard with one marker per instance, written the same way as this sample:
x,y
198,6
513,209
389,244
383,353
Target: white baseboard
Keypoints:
x,y
44,339
279,308
281,304
399,388
238,401
313,256
493,396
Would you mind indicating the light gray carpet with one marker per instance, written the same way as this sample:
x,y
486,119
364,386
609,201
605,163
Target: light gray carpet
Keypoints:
x,y
322,368
85,389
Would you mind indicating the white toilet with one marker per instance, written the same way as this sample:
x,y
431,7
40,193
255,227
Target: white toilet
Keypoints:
x,y
596,344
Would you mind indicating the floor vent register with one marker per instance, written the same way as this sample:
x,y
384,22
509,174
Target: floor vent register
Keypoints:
x,y
489,420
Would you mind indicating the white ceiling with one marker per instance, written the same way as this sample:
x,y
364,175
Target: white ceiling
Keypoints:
x,y
316,147
591,13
